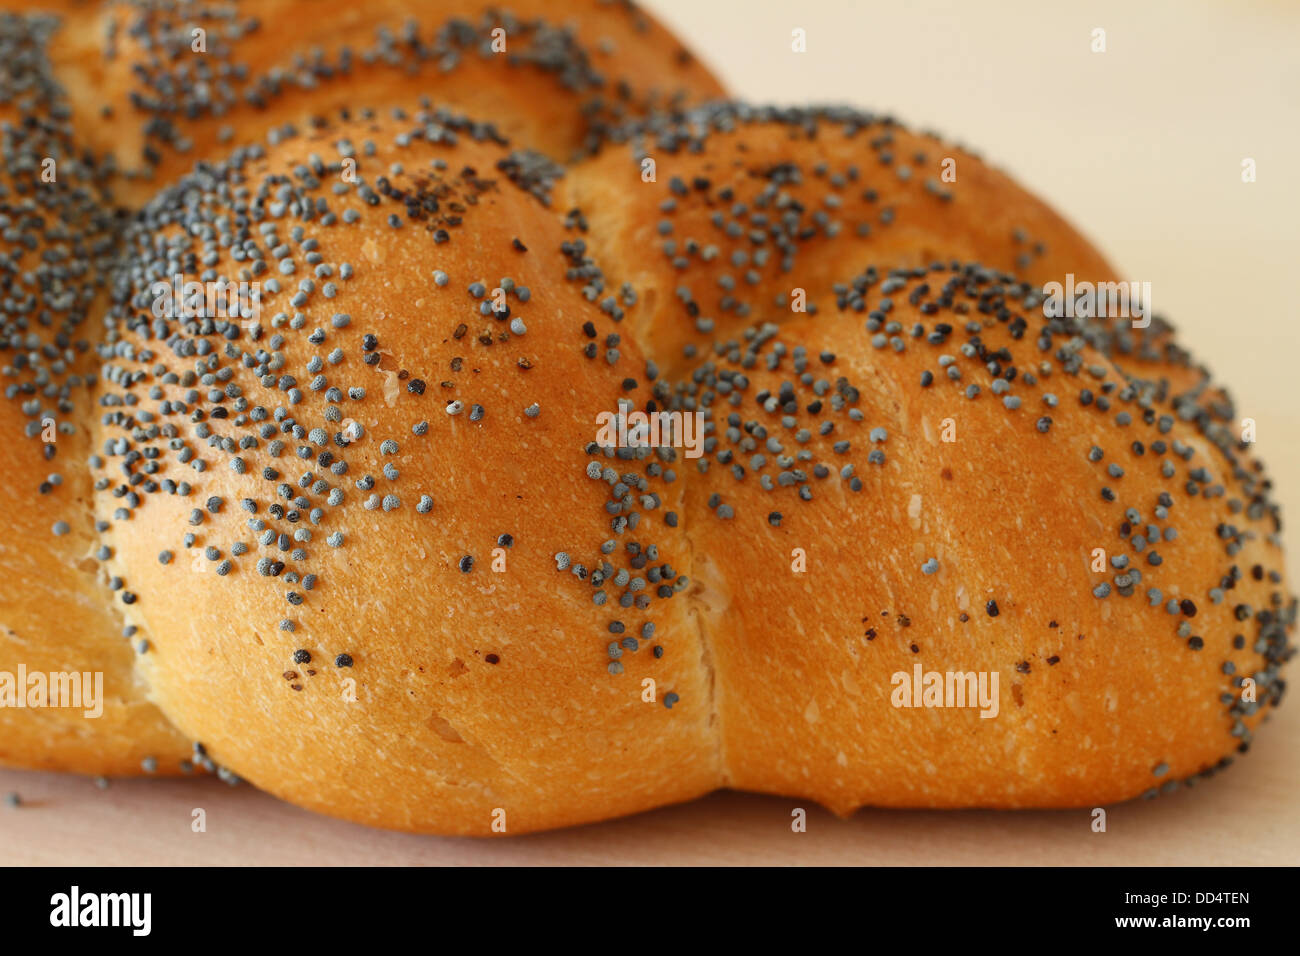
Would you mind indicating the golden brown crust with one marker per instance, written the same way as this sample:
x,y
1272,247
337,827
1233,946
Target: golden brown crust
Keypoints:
x,y
476,689
57,616
1102,696
749,204
56,613
556,76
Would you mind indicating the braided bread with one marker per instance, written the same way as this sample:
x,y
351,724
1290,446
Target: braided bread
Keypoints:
x,y
481,441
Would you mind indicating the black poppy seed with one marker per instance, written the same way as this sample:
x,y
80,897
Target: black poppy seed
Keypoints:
x,y
466,564
992,608
343,660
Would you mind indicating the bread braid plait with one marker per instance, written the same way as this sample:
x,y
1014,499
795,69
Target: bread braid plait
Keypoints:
x,y
387,569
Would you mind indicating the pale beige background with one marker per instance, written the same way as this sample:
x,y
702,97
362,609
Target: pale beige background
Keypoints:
x,y
1141,147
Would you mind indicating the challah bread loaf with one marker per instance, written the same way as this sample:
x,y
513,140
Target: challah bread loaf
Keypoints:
x,y
160,85
55,616
911,541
